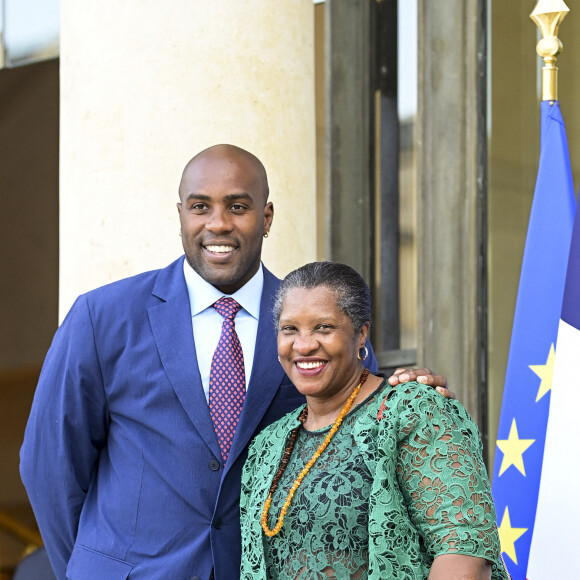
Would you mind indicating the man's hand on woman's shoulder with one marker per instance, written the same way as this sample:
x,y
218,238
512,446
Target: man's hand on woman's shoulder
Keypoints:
x,y
424,376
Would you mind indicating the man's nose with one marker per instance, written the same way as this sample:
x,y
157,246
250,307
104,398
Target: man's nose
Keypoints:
x,y
219,221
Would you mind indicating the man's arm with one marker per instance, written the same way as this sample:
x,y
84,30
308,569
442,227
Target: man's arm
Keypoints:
x,y
370,361
66,430
403,375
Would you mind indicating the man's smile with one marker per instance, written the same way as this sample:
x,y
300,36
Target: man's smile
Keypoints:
x,y
220,249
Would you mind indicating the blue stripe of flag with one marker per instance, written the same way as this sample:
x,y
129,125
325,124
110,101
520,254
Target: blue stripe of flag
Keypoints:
x,y
570,309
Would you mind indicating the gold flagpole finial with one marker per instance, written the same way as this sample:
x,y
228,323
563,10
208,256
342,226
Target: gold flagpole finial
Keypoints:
x,y
548,15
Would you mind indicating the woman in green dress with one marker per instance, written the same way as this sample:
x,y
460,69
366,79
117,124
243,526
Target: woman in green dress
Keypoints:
x,y
367,480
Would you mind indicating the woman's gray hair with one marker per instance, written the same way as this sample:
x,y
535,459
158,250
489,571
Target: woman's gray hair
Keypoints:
x,y
353,296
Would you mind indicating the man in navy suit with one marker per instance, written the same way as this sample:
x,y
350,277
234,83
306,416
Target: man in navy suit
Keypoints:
x,y
120,458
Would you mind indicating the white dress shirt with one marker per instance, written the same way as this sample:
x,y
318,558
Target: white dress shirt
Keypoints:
x,y
207,321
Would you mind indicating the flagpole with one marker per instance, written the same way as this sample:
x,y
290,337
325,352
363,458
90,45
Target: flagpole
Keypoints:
x,y
548,15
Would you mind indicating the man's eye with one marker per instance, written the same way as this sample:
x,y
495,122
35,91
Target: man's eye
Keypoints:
x,y
238,207
198,207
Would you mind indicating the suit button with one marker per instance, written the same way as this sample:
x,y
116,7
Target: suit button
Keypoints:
x,y
195,578
218,523
214,464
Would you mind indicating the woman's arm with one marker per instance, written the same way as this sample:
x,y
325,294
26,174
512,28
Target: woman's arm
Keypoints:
x,y
459,567
444,483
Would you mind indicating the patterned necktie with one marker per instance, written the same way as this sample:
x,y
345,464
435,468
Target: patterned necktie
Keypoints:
x,y
227,378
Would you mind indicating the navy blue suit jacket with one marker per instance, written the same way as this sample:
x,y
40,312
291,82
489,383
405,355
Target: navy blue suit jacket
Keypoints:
x,y
120,458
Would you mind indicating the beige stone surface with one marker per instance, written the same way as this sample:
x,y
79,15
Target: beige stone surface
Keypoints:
x,y
146,85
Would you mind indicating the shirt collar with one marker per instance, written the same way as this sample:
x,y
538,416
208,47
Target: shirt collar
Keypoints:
x,y
203,295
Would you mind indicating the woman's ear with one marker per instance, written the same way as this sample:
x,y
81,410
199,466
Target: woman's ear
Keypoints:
x,y
364,332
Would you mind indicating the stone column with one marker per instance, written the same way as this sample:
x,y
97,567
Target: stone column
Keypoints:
x,y
349,134
144,86
451,152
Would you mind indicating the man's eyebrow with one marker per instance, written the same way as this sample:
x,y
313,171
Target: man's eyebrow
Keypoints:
x,y
235,196
227,198
198,196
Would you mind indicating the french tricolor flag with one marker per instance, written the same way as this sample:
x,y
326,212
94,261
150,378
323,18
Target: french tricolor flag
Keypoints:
x,y
555,548
536,476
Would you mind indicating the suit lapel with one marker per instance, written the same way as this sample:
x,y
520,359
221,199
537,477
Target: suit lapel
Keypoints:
x,y
171,326
267,373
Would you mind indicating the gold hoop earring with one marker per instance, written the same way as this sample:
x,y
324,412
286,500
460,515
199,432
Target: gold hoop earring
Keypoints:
x,y
366,350
266,234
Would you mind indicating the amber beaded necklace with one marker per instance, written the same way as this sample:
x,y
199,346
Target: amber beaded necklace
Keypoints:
x,y
286,457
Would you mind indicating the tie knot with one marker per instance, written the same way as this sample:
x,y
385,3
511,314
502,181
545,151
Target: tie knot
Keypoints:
x,y
227,307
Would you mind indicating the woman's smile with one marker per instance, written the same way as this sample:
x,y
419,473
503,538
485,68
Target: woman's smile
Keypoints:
x,y
310,367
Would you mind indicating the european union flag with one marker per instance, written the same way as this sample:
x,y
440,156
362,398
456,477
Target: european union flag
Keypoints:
x,y
526,398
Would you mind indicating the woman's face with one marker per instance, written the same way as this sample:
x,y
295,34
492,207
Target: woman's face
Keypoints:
x,y
317,344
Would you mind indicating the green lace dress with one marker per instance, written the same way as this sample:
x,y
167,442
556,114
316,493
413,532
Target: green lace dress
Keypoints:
x,y
383,500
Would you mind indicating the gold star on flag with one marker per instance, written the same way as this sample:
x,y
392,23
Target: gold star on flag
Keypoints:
x,y
513,450
509,535
545,373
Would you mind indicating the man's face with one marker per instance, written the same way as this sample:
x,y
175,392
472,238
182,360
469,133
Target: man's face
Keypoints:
x,y
224,215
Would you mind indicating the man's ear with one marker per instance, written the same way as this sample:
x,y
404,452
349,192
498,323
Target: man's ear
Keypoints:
x,y
268,216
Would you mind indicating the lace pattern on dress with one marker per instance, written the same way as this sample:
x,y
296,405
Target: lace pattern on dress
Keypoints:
x,y
428,492
325,532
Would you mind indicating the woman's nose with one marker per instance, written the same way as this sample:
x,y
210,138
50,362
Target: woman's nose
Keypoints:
x,y
305,344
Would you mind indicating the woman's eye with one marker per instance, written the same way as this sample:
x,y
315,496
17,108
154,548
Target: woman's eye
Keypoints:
x,y
287,329
324,327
